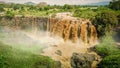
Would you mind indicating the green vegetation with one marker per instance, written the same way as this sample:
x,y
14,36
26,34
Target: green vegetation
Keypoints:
x,y
16,58
105,22
107,46
115,5
37,10
111,61
109,52
85,12
10,14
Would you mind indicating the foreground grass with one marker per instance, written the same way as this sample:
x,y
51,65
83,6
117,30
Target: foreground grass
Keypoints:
x,y
109,52
15,58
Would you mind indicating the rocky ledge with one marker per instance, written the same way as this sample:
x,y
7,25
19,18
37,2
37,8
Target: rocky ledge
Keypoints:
x,y
82,60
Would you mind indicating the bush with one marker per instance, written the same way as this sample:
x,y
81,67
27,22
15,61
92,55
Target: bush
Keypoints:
x,y
10,14
107,46
1,8
86,13
105,22
115,5
109,52
112,61
3,62
3,57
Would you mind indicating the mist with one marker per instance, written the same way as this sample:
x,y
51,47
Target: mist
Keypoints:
x,y
29,41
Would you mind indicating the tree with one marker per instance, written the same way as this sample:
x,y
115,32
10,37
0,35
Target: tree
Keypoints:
x,y
77,13
1,8
105,22
115,4
66,7
87,13
118,18
16,6
10,14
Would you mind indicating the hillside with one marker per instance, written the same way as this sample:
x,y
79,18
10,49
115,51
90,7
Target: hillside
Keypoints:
x,y
29,3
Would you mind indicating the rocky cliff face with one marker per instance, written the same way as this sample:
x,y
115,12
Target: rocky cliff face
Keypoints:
x,y
33,23
68,28
82,60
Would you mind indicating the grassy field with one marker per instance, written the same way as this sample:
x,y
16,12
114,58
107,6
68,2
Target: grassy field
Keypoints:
x,y
16,58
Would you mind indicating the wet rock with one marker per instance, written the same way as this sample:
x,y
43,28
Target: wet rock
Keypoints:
x,y
82,60
58,52
91,49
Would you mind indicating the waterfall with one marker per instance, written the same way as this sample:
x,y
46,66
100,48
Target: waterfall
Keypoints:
x,y
69,29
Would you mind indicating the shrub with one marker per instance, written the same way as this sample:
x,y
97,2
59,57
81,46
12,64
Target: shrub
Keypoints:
x,y
3,58
1,8
105,22
107,46
112,61
115,4
109,52
10,14
3,62
86,13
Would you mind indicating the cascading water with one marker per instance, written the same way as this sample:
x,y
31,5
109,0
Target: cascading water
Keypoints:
x,y
70,28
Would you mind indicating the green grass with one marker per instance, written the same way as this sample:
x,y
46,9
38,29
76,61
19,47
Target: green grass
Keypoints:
x,y
107,46
109,52
111,61
16,58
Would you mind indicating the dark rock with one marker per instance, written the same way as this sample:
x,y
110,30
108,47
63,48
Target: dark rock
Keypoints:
x,y
54,45
58,52
82,60
91,49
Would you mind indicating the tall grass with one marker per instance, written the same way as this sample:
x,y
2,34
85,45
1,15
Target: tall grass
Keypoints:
x,y
107,46
110,53
15,58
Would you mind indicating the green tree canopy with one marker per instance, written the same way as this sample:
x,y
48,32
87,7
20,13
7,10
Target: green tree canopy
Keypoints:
x,y
1,8
66,7
105,22
115,4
